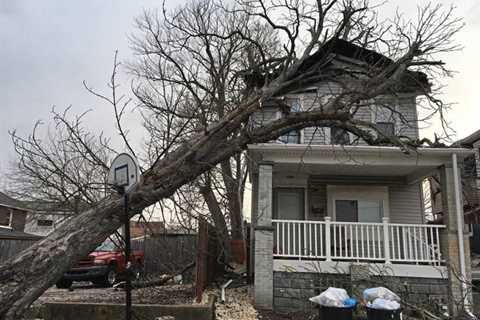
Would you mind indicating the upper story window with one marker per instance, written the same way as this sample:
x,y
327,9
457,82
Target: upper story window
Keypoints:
x,y
295,105
386,128
339,136
293,136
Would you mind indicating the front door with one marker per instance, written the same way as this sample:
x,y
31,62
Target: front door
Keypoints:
x,y
289,204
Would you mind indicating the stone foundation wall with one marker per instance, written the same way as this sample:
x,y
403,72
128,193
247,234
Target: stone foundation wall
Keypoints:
x,y
291,290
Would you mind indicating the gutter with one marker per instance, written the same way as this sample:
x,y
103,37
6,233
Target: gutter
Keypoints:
x,y
356,148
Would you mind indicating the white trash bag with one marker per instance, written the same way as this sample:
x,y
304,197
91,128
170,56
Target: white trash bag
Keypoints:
x,y
371,294
384,304
332,297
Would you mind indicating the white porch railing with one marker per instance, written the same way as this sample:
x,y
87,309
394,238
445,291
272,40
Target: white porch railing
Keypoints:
x,y
367,242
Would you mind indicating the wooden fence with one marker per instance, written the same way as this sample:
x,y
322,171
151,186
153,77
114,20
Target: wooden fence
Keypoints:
x,y
11,247
208,251
168,253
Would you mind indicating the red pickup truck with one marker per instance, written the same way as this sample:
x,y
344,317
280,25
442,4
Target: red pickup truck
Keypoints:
x,y
104,266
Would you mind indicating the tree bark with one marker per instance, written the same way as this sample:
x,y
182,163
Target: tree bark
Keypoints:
x,y
218,220
234,204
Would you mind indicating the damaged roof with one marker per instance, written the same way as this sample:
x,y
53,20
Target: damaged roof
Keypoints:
x,y
411,81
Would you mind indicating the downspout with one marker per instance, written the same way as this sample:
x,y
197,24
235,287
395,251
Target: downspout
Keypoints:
x,y
459,212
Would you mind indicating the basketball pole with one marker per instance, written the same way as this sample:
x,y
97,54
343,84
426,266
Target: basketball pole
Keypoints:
x,y
128,282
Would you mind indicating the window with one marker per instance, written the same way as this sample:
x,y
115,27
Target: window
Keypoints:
x,y
386,128
359,210
44,223
291,137
6,218
288,203
295,105
339,136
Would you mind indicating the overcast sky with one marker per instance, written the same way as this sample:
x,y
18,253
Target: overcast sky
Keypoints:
x,y
49,47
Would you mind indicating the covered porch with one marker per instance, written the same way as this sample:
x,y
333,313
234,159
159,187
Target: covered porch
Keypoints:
x,y
324,208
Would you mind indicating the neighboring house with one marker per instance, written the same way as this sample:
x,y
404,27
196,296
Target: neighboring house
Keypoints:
x,y
44,217
328,209
34,217
471,190
12,213
471,172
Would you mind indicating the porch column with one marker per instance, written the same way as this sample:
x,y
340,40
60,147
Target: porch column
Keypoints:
x,y
459,293
264,239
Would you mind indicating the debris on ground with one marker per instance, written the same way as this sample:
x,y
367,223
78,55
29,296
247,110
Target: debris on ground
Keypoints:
x,y
85,292
239,306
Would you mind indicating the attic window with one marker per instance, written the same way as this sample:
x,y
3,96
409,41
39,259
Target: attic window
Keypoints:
x,y
44,223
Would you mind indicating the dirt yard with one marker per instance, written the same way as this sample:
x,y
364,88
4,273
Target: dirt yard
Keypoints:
x,y
85,292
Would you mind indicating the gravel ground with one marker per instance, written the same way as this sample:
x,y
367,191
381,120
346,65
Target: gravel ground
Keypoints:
x,y
85,292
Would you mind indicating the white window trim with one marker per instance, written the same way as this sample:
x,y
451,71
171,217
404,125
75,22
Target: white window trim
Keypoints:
x,y
357,192
10,221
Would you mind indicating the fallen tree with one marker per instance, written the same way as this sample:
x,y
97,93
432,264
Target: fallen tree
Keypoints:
x,y
411,45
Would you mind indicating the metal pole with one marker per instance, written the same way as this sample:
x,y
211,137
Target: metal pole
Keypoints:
x,y
128,284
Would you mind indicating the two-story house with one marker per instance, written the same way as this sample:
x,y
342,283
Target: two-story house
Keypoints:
x,y
330,210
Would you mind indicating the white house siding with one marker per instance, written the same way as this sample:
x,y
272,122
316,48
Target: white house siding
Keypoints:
x,y
406,204
32,223
266,115
407,107
405,125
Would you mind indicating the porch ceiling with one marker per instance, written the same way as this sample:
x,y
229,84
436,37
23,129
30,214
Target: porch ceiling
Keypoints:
x,y
362,161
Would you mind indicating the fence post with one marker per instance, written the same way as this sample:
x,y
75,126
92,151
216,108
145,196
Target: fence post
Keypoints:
x,y
328,246
386,239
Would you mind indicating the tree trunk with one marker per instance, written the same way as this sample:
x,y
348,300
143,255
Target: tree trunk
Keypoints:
x,y
218,220
233,200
